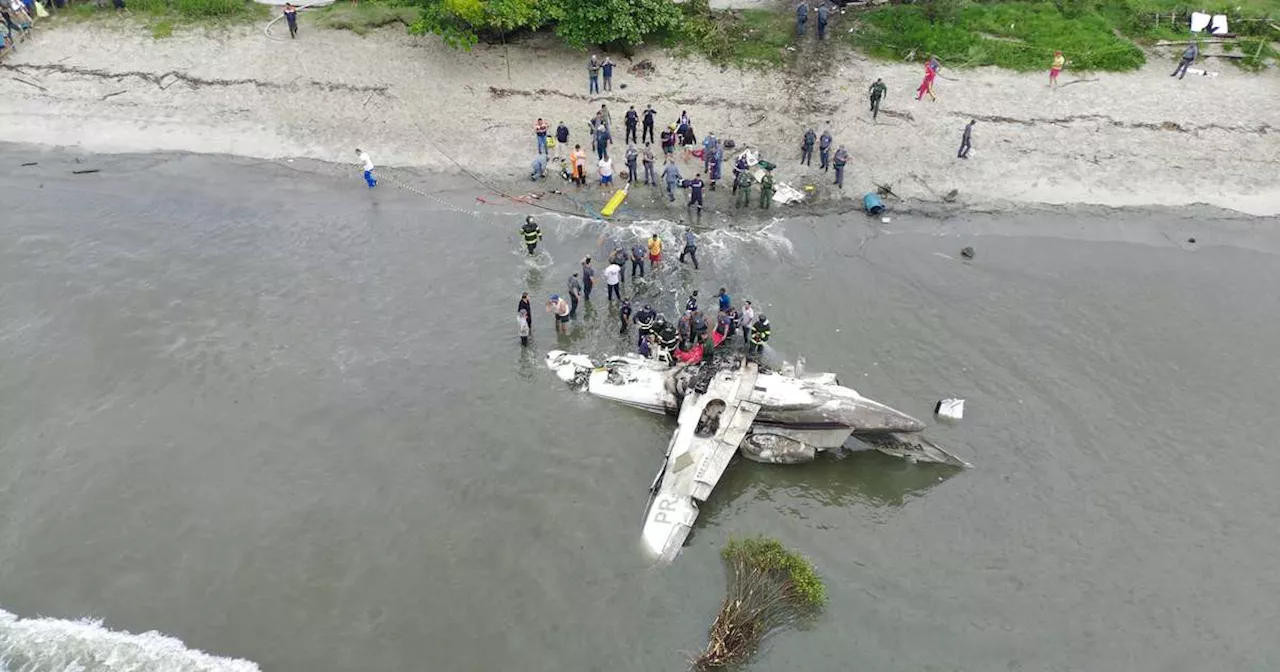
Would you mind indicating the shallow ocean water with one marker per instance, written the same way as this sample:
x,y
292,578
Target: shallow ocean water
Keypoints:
x,y
288,420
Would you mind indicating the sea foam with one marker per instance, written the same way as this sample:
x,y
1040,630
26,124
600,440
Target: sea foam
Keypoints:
x,y
56,645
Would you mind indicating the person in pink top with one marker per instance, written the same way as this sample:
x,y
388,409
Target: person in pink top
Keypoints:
x,y
930,72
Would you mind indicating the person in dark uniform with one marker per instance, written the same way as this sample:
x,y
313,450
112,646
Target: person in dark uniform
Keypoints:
x,y
624,314
684,329
531,234
695,201
759,335
691,240
619,257
692,303
524,307
667,337
638,254
697,327
644,321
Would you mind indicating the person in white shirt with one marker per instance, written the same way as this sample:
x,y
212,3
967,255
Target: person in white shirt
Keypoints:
x,y
748,313
368,168
606,171
613,280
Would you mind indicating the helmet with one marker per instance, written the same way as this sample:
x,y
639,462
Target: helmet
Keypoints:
x,y
646,307
528,219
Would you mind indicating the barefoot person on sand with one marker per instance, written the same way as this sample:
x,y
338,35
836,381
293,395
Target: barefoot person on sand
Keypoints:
x,y
291,18
1058,61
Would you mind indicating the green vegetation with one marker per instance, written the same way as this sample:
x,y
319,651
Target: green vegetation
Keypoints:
x,y
770,588
745,38
580,23
198,9
1092,34
366,16
162,16
162,29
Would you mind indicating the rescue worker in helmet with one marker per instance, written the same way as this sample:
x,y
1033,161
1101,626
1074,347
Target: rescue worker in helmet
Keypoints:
x,y
644,321
531,234
692,303
666,336
759,335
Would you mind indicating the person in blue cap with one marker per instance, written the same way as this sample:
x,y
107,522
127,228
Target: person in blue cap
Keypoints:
x,y
560,308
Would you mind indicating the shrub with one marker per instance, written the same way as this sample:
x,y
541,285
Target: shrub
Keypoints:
x,y
770,588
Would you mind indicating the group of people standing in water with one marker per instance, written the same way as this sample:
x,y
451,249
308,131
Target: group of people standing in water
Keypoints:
x,y
691,338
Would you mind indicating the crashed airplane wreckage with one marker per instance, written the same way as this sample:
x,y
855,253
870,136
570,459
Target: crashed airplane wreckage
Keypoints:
x,y
732,404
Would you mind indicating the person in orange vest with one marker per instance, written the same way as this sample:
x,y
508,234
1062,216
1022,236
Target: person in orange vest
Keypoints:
x,y
578,161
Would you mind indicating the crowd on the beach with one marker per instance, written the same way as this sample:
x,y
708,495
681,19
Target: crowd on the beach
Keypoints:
x,y
19,16
692,337
638,161
695,333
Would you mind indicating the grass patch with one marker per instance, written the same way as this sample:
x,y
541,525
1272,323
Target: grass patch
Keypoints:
x,y
366,16
1092,34
162,29
1018,36
769,588
747,38
163,16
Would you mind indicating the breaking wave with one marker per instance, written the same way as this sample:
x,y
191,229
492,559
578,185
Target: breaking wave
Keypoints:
x,y
57,645
768,238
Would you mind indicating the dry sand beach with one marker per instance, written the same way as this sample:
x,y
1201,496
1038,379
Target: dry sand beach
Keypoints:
x,y
1139,138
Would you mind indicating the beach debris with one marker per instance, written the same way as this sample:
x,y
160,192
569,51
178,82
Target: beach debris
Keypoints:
x,y
785,193
30,163
872,204
951,196
1191,240
886,190
113,93
644,68
967,252
949,409
884,220
85,171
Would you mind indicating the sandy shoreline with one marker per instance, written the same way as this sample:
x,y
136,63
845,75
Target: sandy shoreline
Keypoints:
x,y
1123,140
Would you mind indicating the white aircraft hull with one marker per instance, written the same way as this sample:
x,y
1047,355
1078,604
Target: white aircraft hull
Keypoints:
x,y
777,418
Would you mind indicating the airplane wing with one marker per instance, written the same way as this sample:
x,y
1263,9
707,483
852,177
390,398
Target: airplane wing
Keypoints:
x,y
914,447
712,424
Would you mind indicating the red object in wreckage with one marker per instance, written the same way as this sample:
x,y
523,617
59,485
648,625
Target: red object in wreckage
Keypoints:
x,y
691,356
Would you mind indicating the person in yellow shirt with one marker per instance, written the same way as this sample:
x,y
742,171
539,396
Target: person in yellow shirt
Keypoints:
x,y
1056,68
655,252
